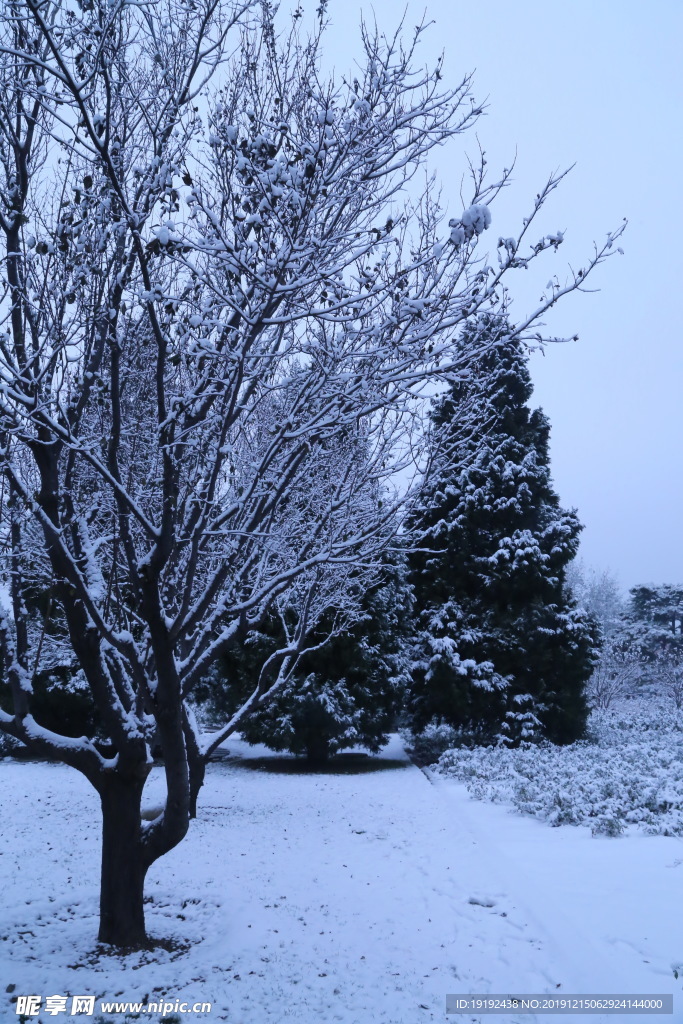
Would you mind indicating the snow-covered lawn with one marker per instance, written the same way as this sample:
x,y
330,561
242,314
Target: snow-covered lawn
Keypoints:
x,y
356,897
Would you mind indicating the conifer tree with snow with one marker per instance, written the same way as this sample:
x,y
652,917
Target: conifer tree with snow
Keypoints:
x,y
501,651
653,621
650,634
348,686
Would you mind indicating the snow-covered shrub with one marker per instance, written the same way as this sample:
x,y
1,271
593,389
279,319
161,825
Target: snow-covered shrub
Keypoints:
x,y
608,826
427,746
629,772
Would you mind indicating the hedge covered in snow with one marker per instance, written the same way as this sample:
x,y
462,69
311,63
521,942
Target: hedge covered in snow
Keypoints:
x,y
629,772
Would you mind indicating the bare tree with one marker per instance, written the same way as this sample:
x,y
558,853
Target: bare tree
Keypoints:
x,y
616,675
598,592
218,301
667,672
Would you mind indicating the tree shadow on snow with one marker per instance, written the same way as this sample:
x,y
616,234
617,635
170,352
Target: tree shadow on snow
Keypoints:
x,y
340,764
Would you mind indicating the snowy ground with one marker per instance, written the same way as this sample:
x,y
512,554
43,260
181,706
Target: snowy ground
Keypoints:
x,y
359,897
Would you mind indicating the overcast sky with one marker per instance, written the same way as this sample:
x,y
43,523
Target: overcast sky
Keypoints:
x,y
599,84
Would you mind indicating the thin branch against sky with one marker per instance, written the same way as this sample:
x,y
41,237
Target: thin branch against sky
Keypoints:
x,y
601,87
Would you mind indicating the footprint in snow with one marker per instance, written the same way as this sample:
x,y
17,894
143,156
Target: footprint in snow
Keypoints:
x,y
482,901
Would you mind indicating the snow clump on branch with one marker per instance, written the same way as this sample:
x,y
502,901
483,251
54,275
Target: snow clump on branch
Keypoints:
x,y
472,222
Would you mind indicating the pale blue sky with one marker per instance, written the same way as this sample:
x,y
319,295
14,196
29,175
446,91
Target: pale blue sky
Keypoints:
x,y
598,83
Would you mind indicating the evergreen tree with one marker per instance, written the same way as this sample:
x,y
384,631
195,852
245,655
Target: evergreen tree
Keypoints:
x,y
501,650
347,688
651,634
654,621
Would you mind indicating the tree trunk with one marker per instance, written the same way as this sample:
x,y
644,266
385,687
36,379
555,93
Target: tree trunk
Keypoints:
x,y
197,772
124,866
196,763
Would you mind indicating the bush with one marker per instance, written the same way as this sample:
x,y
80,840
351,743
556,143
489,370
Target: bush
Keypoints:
x,y
427,746
629,772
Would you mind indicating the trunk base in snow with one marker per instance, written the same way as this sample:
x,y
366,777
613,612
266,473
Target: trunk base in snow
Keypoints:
x,y
122,913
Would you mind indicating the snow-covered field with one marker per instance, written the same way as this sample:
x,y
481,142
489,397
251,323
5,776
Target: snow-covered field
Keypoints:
x,y
356,897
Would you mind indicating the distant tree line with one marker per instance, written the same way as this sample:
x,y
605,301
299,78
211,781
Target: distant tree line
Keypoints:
x,y
642,639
